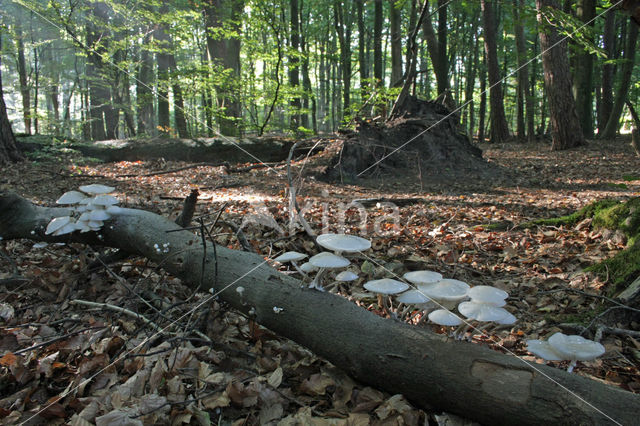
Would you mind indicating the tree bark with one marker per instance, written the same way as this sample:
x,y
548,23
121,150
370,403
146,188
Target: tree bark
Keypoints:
x,y
343,20
565,126
396,44
8,150
440,68
499,128
625,83
24,86
583,72
294,65
608,70
224,51
432,371
525,129
377,41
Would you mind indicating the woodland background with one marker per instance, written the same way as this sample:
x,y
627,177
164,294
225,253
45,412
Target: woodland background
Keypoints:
x,y
117,69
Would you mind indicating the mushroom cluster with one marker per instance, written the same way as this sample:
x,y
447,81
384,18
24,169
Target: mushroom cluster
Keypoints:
x,y
92,205
561,347
338,244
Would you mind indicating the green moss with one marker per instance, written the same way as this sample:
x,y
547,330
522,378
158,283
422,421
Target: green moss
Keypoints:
x,y
624,267
590,210
620,270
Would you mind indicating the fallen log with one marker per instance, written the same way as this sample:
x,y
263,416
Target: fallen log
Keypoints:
x,y
430,370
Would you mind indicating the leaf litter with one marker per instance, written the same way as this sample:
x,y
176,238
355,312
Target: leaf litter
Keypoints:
x,y
62,362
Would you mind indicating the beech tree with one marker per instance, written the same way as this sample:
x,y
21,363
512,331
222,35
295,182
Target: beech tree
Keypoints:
x,y
499,127
565,126
8,149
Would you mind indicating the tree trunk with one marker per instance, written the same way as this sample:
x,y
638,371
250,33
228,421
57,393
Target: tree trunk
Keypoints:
x,y
362,52
343,21
432,371
396,44
24,85
144,94
225,56
565,126
583,72
608,70
482,113
440,68
294,65
306,80
622,91
524,95
377,41
8,149
499,128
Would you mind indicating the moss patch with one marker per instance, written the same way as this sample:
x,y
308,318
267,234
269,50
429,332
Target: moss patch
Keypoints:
x,y
624,267
590,210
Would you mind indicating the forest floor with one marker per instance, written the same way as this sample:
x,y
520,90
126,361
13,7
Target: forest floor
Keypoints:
x,y
51,343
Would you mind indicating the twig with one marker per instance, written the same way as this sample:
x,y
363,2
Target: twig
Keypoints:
x,y
57,339
596,296
116,309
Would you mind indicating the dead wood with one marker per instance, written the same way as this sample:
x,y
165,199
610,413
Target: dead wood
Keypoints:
x,y
431,371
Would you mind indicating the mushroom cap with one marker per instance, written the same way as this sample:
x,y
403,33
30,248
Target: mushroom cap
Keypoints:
x,y
447,289
543,349
328,260
290,256
444,317
57,223
575,347
346,276
386,286
422,277
71,197
66,229
308,267
509,319
104,200
114,210
413,297
99,215
482,311
83,226
343,243
487,294
96,188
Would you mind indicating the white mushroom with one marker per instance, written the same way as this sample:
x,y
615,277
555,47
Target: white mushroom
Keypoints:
x,y
66,229
562,347
346,276
291,256
422,277
385,287
95,189
324,261
448,290
444,317
483,311
343,243
71,197
487,294
57,223
104,200
307,267
99,215
413,297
